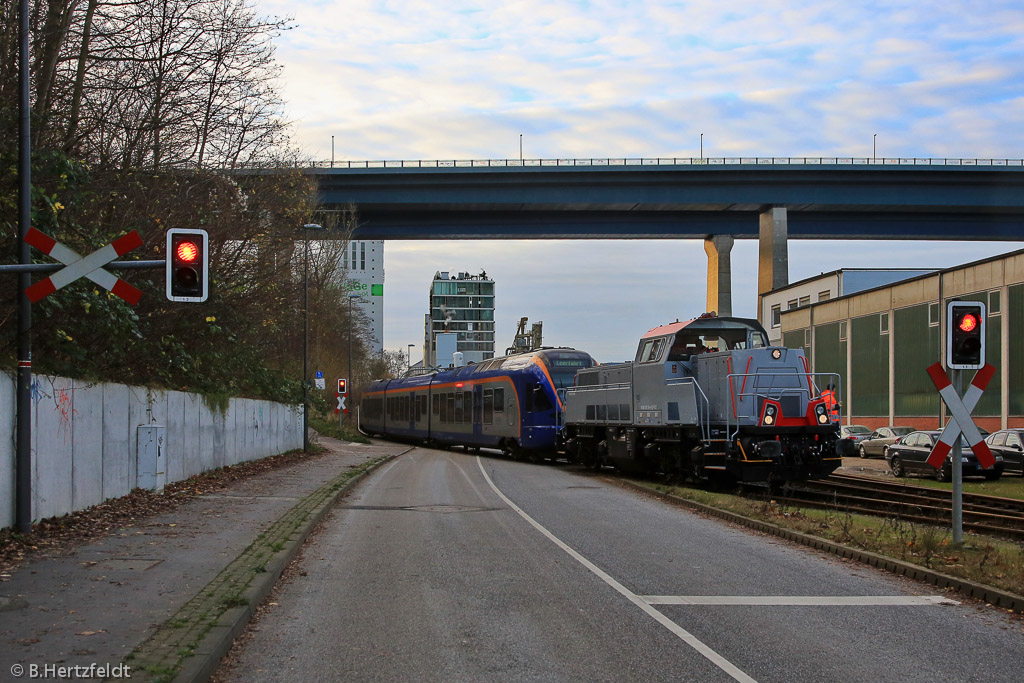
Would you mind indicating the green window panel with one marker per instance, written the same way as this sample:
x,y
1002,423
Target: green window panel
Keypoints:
x,y
830,353
990,404
869,358
794,339
1014,308
917,347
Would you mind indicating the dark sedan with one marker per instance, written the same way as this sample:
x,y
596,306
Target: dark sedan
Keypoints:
x,y
880,439
1009,443
910,454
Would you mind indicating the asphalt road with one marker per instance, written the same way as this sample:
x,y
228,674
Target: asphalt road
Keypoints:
x,y
444,566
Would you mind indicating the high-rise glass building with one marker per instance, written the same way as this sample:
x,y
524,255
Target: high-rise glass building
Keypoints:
x,y
463,305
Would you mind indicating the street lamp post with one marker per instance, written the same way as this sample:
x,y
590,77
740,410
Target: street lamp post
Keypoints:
x,y
410,355
305,332
351,328
874,147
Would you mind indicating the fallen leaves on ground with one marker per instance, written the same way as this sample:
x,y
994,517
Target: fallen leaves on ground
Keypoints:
x,y
60,533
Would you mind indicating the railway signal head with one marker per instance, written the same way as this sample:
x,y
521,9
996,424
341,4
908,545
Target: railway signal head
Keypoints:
x,y
965,335
187,269
342,386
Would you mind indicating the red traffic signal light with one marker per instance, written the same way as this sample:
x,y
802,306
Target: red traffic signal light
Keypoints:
x,y
187,272
968,322
342,386
187,251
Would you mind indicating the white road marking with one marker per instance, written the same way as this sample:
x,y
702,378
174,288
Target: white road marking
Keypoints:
x,y
684,635
799,600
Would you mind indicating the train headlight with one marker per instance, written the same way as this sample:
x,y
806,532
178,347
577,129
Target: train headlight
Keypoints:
x,y
776,354
770,414
820,413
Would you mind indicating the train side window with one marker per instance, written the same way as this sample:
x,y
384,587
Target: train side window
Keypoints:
x,y
591,412
624,411
452,415
602,412
613,412
488,406
459,412
444,409
436,401
499,400
467,406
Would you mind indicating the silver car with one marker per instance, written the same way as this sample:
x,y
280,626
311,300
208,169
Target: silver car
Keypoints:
x,y
880,440
854,433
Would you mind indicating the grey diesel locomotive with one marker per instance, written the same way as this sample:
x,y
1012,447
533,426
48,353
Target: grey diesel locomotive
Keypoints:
x,y
708,398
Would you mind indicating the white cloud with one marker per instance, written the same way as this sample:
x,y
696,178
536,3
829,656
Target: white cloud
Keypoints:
x,y
407,79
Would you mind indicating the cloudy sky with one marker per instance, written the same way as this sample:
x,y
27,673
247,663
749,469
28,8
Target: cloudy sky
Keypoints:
x,y
412,79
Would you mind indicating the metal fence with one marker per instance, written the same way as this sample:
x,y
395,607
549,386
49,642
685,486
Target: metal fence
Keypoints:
x,y
661,161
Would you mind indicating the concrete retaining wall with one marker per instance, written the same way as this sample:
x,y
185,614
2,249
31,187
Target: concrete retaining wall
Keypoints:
x,y
84,443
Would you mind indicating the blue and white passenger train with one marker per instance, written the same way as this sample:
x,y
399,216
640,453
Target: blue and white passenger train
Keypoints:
x,y
510,403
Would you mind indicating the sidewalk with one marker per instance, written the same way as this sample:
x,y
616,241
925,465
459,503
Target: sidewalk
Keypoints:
x,y
163,599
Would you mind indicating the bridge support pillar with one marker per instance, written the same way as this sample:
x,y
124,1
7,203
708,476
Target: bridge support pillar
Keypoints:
x,y
719,251
773,253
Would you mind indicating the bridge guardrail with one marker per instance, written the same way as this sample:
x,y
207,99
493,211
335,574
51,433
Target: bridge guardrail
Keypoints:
x,y
660,161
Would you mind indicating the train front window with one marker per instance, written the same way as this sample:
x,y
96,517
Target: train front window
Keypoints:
x,y
563,366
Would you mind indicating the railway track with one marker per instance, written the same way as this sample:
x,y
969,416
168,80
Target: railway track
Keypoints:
x,y
990,515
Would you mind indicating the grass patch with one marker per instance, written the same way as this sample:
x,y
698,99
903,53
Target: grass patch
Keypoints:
x,y
330,427
990,561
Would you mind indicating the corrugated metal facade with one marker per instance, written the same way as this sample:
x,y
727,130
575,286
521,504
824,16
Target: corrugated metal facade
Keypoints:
x,y
869,386
916,345
830,353
907,320
1015,341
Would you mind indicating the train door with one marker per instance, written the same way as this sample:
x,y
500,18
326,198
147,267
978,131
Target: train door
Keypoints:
x,y
478,411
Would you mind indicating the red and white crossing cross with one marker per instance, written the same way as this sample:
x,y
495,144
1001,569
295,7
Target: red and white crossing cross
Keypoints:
x,y
90,266
960,420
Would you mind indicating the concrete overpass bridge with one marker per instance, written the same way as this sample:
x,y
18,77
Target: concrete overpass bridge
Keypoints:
x,y
717,200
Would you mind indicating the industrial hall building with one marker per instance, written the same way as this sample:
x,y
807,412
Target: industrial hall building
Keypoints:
x,y
879,342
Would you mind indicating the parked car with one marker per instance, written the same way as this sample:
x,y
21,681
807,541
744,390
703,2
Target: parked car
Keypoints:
x,y
910,454
1009,443
854,433
880,439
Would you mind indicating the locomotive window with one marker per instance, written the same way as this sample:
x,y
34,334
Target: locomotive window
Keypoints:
x,y
602,412
624,411
591,412
499,400
613,412
651,351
